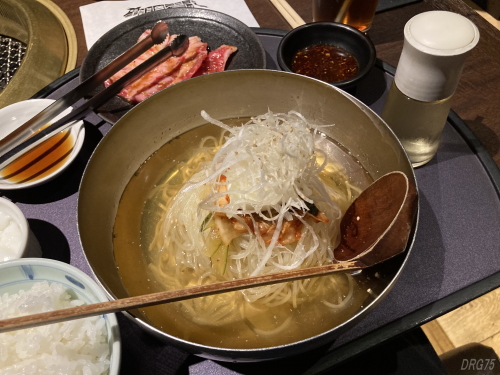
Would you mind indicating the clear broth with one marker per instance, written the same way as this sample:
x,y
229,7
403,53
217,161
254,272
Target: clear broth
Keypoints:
x,y
135,224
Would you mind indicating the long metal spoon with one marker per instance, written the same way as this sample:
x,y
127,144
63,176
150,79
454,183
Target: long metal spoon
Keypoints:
x,y
375,228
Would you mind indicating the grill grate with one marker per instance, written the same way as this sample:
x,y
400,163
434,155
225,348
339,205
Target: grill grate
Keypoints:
x,y
12,52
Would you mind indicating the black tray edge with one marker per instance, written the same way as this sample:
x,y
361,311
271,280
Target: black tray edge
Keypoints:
x,y
420,316
271,32
53,86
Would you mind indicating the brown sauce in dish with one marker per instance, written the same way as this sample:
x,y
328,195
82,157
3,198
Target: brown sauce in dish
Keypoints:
x,y
325,62
41,161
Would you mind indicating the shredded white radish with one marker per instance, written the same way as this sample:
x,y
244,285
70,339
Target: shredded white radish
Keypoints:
x,y
269,164
265,172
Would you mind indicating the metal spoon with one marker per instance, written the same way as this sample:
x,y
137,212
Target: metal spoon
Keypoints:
x,y
375,228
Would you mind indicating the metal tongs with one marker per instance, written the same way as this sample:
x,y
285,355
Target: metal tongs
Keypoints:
x,y
29,135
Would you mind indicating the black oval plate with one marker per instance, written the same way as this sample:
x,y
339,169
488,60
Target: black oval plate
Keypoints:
x,y
212,27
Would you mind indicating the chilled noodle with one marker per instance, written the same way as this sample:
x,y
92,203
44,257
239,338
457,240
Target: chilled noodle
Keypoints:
x,y
256,200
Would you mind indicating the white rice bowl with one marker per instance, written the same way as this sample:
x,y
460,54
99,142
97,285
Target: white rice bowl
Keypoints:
x,y
88,346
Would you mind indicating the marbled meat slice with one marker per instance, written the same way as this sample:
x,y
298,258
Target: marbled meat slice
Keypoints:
x,y
193,58
157,78
193,62
216,60
146,55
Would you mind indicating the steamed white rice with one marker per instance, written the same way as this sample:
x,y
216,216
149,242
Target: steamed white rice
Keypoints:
x,y
74,347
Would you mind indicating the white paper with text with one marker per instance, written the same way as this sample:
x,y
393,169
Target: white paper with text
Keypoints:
x,y
101,17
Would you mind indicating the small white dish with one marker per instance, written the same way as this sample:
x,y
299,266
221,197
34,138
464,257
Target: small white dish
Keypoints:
x,y
21,274
13,116
16,238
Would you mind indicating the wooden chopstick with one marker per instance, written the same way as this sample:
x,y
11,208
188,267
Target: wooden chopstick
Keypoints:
x,y
288,13
30,321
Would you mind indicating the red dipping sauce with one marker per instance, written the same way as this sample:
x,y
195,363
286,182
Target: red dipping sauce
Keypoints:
x,y
325,62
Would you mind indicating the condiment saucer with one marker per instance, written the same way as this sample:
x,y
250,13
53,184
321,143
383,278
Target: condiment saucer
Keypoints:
x,y
45,161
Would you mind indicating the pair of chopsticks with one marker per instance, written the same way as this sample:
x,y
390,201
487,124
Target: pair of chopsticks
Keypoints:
x,y
288,13
29,134
124,304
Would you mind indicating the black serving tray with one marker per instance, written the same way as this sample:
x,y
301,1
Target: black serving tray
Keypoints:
x,y
454,257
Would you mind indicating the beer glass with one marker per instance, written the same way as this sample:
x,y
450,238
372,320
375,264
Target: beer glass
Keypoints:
x,y
356,13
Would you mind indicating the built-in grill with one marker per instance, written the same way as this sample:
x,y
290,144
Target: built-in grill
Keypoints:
x,y
37,45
